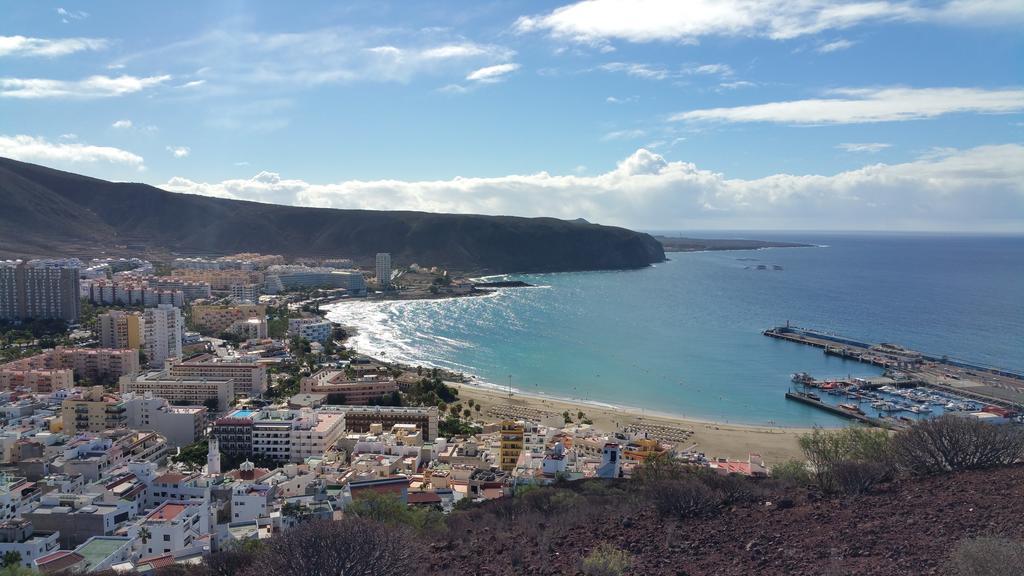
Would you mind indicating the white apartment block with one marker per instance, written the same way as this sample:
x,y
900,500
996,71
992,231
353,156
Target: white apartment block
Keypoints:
x,y
181,425
383,270
193,392
250,378
312,329
176,526
162,334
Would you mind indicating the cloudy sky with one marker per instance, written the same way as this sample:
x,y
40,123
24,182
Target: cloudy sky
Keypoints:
x,y
653,114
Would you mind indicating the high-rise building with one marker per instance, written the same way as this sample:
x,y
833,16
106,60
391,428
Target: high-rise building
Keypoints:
x,y
121,330
162,331
41,289
383,270
511,445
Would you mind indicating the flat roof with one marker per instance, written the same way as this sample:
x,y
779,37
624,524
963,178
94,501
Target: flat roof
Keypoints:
x,y
99,548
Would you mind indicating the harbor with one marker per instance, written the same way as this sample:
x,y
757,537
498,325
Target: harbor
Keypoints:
x,y
914,385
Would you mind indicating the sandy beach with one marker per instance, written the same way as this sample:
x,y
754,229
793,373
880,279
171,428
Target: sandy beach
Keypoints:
x,y
714,439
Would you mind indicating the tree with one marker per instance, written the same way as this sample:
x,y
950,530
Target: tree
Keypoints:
x,y
11,558
145,534
194,455
951,443
212,404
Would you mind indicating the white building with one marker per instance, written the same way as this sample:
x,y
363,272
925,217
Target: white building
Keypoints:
x,y
194,391
181,425
383,270
162,334
312,329
249,293
18,536
176,527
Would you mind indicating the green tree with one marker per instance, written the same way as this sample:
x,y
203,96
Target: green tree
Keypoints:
x,y
11,558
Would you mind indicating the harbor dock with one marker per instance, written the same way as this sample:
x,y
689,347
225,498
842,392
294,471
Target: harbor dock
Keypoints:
x,y
909,368
879,422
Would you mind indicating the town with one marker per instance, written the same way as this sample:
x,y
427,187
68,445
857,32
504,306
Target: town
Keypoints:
x,y
157,413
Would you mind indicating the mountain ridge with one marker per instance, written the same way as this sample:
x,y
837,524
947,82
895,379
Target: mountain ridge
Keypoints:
x,y
50,212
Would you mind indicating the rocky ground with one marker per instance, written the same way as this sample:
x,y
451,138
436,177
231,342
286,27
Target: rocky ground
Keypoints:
x,y
907,527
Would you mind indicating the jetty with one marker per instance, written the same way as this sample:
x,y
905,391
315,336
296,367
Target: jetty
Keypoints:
x,y
906,367
805,398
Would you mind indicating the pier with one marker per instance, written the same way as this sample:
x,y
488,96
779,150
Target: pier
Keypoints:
x,y
908,367
879,422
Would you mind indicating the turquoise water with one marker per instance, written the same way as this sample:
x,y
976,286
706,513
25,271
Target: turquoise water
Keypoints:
x,y
684,336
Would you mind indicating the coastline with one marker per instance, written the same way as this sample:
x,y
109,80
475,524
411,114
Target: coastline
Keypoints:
x,y
716,439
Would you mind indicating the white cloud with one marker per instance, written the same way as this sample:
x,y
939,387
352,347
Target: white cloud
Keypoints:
x,y
835,46
66,16
179,151
24,46
623,135
976,189
237,61
91,87
850,106
40,150
624,100
637,70
193,84
736,85
710,69
869,147
123,124
597,22
490,74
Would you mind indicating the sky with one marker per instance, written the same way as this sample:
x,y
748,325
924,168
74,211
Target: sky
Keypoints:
x,y
650,114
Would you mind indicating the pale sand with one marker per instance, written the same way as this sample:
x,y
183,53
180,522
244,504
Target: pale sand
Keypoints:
x,y
734,441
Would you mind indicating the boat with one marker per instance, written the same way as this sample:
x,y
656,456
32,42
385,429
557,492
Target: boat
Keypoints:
x,y
852,408
813,396
803,378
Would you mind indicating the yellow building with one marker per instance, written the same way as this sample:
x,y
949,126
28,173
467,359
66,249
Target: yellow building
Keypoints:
x,y
92,411
120,330
215,318
512,434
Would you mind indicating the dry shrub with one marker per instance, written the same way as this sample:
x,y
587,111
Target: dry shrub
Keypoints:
x,y
685,497
951,443
792,473
858,477
606,560
350,547
987,556
830,452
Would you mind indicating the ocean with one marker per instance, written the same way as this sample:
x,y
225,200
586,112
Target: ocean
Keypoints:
x,y
684,336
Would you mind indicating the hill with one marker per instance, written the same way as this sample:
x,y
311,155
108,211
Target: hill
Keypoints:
x,y
49,212
680,244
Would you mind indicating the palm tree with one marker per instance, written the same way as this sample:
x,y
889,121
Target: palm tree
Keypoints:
x,y
11,558
145,534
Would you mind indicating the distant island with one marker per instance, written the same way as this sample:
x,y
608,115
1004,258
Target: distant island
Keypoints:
x,y
680,244
48,212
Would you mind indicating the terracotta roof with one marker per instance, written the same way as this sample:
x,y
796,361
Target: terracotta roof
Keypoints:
x,y
170,478
166,512
157,562
424,498
58,561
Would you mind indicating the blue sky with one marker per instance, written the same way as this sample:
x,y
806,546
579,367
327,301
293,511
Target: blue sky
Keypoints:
x,y
649,114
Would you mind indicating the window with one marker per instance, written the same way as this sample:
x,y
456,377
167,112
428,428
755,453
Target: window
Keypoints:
x,y
167,537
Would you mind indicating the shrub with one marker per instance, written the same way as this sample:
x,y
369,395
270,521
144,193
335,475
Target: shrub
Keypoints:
x,y
606,560
858,477
829,451
733,488
350,547
950,443
684,497
792,472
986,556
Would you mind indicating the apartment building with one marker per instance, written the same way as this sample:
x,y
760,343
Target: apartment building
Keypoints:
x,y
180,425
40,289
41,381
181,527
313,329
383,269
190,290
282,435
130,293
92,410
250,378
362,418
162,330
280,278
191,391
221,280
511,436
124,330
358,391
246,292
216,318
92,364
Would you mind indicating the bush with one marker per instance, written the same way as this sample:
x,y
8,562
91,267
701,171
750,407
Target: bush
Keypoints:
x,y
350,547
606,560
834,450
986,556
858,477
684,497
950,443
792,473
732,488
